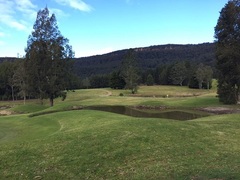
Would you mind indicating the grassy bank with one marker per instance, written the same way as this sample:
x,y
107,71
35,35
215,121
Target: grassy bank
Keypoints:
x,y
89,144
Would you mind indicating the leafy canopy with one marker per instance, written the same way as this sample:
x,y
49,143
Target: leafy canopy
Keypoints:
x,y
47,58
227,34
129,71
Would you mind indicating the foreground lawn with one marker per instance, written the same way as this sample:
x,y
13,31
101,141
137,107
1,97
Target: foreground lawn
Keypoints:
x,y
89,144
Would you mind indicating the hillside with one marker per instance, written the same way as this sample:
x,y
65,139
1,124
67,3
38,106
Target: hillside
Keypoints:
x,y
147,57
3,59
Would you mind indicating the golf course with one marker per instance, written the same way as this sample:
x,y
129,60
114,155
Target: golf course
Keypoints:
x,y
72,141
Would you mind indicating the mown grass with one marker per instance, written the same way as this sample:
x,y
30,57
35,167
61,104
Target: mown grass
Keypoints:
x,y
91,144
29,108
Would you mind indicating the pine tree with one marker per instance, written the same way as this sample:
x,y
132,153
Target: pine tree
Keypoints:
x,y
227,34
150,80
19,79
200,74
178,73
129,72
208,76
47,58
117,81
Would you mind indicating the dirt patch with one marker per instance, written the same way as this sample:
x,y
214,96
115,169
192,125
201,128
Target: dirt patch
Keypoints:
x,y
220,110
150,107
76,108
108,93
5,112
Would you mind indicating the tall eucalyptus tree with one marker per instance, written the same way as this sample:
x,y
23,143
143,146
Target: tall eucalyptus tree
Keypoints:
x,y
48,56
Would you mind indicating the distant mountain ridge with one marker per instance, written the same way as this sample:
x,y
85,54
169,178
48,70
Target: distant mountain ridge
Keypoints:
x,y
2,59
147,58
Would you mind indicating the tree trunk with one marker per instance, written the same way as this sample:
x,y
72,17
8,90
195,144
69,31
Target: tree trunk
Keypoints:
x,y
24,98
200,85
132,91
41,100
208,85
238,94
51,102
12,93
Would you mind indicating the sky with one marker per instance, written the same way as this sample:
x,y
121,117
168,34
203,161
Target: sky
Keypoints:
x,y
100,26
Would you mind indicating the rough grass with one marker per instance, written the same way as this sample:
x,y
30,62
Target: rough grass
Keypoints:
x,y
170,91
91,144
29,108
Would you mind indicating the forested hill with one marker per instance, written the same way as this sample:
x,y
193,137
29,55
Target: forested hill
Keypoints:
x,y
2,59
147,58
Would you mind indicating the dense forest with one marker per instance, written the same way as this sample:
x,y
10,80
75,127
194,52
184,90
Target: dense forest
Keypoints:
x,y
187,65
183,65
148,58
8,59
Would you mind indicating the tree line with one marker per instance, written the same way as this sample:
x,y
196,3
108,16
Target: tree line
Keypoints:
x,y
147,58
14,83
23,78
178,73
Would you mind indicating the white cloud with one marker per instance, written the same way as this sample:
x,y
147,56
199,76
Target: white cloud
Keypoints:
x,y
6,7
76,4
58,12
25,4
9,13
17,25
26,7
2,34
2,43
12,22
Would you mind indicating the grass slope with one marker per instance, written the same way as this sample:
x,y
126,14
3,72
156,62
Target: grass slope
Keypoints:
x,y
99,145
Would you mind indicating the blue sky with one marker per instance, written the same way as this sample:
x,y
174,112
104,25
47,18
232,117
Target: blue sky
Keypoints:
x,y
101,26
